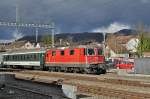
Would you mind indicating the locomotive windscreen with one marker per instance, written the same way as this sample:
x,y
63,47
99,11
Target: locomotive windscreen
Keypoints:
x,y
89,51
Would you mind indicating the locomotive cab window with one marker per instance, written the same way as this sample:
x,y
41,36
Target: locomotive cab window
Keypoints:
x,y
91,51
62,53
100,52
71,52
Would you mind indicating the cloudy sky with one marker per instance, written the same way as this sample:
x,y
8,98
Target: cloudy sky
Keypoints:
x,y
75,15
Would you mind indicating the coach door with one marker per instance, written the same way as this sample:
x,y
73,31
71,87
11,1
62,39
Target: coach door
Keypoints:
x,y
42,59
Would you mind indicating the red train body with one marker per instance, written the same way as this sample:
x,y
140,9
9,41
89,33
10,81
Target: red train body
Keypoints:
x,y
88,60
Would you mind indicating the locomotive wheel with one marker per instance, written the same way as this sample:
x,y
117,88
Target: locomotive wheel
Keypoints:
x,y
101,71
86,71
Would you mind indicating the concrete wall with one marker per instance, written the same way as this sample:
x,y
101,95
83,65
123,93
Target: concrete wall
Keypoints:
x,y
101,97
0,59
54,91
142,66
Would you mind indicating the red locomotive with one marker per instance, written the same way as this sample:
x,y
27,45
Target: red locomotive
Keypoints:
x,y
84,60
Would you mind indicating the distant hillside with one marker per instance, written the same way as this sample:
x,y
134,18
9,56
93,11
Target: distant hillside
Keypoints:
x,y
75,37
126,32
81,38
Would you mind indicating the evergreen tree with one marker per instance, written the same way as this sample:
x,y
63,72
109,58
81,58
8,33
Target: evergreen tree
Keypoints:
x,y
144,44
47,40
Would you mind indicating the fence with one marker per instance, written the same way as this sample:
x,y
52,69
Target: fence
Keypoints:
x,y
142,66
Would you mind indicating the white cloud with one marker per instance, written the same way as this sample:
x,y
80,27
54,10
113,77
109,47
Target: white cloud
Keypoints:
x,y
5,41
114,27
17,35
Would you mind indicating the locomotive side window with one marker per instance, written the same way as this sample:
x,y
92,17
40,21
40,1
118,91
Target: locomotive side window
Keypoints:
x,y
100,52
53,53
62,53
71,52
89,51
46,55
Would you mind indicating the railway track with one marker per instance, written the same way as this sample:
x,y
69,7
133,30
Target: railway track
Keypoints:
x,y
93,78
28,90
100,90
112,92
10,70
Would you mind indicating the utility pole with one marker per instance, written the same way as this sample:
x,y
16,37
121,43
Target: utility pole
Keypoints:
x,y
17,24
36,38
53,34
104,35
17,18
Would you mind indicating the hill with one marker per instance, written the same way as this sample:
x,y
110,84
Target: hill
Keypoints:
x,y
126,32
73,37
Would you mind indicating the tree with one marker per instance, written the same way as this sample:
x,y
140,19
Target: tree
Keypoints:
x,y
144,43
47,40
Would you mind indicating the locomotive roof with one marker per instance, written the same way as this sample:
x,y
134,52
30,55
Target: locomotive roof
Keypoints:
x,y
72,47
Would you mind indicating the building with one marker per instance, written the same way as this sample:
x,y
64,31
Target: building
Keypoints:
x,y
19,45
120,46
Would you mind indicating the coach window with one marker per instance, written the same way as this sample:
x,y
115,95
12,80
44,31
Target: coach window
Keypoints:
x,y
38,56
7,58
23,57
34,57
20,57
4,58
30,57
71,52
62,53
17,57
27,57
13,57
53,53
10,58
